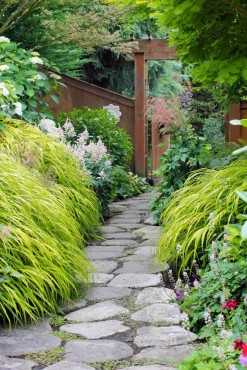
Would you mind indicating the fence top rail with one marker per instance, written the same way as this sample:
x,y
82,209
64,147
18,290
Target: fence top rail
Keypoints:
x,y
96,90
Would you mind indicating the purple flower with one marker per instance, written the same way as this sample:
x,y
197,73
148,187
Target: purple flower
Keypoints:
x,y
180,294
243,360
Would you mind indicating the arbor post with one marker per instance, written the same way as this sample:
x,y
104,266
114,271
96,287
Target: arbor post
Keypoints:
x,y
140,115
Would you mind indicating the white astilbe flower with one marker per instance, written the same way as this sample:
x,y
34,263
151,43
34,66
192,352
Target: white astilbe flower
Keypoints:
x,y
207,318
84,136
36,60
18,109
4,39
3,90
103,175
108,163
55,76
4,67
96,151
69,129
185,320
114,110
49,127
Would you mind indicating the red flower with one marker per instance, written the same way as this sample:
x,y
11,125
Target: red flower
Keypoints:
x,y
230,305
244,349
238,344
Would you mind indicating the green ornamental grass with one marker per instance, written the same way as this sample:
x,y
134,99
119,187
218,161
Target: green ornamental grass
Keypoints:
x,y
47,209
198,212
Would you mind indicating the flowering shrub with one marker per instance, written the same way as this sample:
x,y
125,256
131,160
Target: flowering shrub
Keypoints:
x,y
22,85
92,156
101,123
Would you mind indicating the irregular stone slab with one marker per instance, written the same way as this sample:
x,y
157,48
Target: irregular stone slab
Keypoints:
x,y
151,221
119,221
164,336
123,235
146,250
104,255
135,280
155,295
140,267
97,312
22,342
147,230
136,258
120,242
117,208
105,266
67,365
168,314
148,367
130,226
96,350
177,353
108,248
16,364
152,241
110,229
96,330
100,278
75,305
103,293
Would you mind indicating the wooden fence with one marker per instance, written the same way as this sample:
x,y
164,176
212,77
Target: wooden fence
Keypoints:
x,y
236,133
78,93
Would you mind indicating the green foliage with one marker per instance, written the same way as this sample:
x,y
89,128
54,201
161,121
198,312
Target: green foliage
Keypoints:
x,y
206,195
23,84
99,122
47,357
57,168
126,184
47,208
187,152
211,38
57,321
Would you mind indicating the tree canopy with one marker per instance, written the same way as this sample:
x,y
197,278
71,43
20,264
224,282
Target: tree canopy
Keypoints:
x,y
210,35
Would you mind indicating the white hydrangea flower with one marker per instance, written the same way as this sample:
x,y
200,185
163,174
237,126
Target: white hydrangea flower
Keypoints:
x,y
3,89
114,110
36,60
4,39
4,67
36,77
18,109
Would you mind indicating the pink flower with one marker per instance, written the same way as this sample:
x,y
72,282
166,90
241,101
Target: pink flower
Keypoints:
x,y
230,305
243,357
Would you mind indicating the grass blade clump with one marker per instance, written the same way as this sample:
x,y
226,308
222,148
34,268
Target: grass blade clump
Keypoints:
x,y
41,259
57,168
199,210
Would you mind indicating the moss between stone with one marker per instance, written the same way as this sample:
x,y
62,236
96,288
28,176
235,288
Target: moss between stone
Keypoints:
x,y
47,357
113,365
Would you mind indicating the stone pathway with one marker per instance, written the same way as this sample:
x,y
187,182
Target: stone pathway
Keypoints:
x,y
126,320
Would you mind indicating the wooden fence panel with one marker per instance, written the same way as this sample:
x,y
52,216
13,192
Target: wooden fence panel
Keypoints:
x,y
236,133
78,93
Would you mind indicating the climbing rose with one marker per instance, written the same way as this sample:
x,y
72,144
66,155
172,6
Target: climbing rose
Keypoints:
x,y
230,305
243,356
238,344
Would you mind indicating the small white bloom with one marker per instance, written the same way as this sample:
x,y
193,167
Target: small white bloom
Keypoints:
x,y
4,39
221,321
107,163
3,90
196,284
36,60
69,128
185,320
55,76
207,318
4,67
18,109
114,110
232,367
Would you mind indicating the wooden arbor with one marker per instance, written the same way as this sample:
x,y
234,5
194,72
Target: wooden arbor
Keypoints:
x,y
151,49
